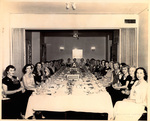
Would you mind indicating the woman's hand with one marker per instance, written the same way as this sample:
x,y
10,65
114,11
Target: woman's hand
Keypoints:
x,y
131,82
129,100
23,90
126,99
117,88
20,89
127,92
123,92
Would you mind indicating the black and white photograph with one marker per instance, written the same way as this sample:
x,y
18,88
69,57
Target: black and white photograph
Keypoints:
x,y
75,60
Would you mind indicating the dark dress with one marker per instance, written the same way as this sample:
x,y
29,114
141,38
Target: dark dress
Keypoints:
x,y
87,64
68,64
51,71
113,92
12,85
115,77
116,95
97,68
123,82
38,77
131,84
104,71
16,103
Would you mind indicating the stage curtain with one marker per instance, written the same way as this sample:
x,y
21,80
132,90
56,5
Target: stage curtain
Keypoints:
x,y
129,46
18,49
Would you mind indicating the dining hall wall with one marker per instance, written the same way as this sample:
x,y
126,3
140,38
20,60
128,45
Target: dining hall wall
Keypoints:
x,y
70,43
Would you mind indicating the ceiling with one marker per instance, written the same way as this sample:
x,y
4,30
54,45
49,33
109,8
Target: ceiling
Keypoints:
x,y
82,6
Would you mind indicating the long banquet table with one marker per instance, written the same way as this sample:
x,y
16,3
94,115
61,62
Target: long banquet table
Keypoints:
x,y
80,93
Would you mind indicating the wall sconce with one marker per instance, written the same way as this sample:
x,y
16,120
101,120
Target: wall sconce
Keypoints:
x,y
61,48
93,48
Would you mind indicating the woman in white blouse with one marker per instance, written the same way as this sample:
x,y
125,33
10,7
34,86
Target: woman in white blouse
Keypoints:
x,y
28,78
132,108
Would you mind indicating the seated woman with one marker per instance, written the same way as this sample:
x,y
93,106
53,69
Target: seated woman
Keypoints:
x,y
102,66
131,73
82,63
97,69
87,64
107,79
28,79
62,62
132,108
13,89
38,73
48,73
111,65
92,65
116,74
56,65
123,82
75,63
105,69
68,63
52,67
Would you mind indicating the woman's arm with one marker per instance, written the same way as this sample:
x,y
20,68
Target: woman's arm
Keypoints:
x,y
112,78
6,92
124,86
23,88
129,100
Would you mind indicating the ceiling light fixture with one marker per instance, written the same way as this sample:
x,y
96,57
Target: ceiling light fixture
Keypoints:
x,y
75,34
67,6
72,4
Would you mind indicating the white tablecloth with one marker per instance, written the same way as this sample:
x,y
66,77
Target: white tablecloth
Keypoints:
x,y
83,95
97,103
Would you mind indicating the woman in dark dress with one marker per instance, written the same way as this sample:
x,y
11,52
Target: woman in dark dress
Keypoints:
x,y
132,74
13,89
113,92
131,83
38,73
105,69
87,64
124,82
48,73
97,68
68,63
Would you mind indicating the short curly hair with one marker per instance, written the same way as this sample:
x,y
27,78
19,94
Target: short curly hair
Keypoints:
x,y
8,67
25,67
125,66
